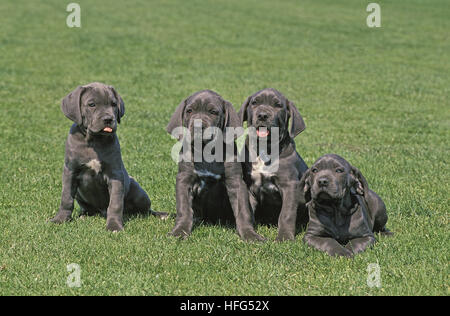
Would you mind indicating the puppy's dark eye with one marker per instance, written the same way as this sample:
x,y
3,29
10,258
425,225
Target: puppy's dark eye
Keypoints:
x,y
277,104
92,104
214,112
254,102
314,170
114,104
189,111
339,170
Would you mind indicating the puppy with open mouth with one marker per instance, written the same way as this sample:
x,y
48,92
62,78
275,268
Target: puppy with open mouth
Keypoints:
x,y
344,213
94,174
272,167
212,190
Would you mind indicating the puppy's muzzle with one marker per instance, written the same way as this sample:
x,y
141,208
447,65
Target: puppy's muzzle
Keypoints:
x,y
108,121
325,189
263,123
201,129
106,125
262,116
323,182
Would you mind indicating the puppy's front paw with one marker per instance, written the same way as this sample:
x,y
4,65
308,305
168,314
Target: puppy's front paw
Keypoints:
x,y
61,217
179,233
251,235
285,236
358,245
114,225
341,252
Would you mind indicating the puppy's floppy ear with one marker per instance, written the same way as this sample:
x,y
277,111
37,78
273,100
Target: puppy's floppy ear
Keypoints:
x,y
231,120
358,182
177,118
71,105
243,111
120,104
297,123
231,117
305,187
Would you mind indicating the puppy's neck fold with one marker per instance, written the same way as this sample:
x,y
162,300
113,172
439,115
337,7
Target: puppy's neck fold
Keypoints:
x,y
283,145
83,130
344,206
94,139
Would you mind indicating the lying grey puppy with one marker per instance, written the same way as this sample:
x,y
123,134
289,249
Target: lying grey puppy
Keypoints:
x,y
211,191
94,174
274,188
343,212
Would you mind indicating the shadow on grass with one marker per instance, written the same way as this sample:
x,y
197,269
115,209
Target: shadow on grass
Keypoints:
x,y
127,216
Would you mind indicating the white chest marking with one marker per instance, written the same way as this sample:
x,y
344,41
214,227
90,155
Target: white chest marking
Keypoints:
x,y
260,168
262,175
95,165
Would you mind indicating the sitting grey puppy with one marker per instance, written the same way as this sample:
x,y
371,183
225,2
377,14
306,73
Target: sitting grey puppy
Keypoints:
x,y
213,191
94,174
273,191
343,212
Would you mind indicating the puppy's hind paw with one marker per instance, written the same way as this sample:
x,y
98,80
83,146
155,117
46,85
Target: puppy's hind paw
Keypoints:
x,y
161,215
386,232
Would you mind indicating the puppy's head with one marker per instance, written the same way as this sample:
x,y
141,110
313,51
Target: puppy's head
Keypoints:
x,y
203,109
270,108
330,178
96,107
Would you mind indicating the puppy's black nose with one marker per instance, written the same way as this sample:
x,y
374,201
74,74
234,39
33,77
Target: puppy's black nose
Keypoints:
x,y
108,121
262,116
323,182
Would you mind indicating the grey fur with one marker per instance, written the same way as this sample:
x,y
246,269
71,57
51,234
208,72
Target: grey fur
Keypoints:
x,y
94,174
344,213
273,195
212,191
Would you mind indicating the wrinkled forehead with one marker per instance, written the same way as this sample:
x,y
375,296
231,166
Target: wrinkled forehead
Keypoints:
x,y
203,99
331,162
99,94
268,96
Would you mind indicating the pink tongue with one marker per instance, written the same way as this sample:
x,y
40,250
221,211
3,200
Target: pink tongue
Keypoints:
x,y
107,129
262,133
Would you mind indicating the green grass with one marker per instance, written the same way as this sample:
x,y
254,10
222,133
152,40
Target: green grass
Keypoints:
x,y
378,97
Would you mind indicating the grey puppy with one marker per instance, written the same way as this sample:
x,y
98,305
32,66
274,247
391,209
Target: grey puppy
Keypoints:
x,y
211,191
274,191
94,174
344,213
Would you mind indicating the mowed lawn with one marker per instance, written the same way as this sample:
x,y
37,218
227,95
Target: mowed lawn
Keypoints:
x,y
380,97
